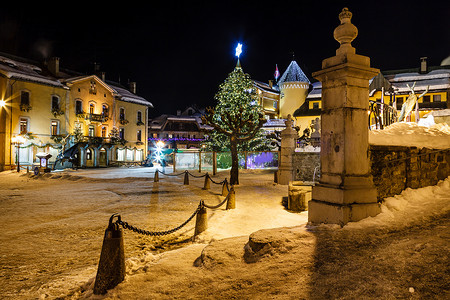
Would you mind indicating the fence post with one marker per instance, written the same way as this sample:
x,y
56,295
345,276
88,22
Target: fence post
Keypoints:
x,y
174,161
156,178
111,267
225,187
207,184
200,161
186,178
201,222
231,203
214,162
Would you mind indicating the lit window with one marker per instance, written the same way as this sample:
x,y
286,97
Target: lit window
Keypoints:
x,y
91,130
103,131
91,108
23,125
55,128
436,98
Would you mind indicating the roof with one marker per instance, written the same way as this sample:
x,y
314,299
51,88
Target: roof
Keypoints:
x,y
438,79
293,73
21,69
266,87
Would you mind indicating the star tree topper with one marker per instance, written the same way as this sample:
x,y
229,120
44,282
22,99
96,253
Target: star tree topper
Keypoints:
x,y
238,50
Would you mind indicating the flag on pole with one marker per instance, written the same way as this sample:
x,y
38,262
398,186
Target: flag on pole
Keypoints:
x,y
277,73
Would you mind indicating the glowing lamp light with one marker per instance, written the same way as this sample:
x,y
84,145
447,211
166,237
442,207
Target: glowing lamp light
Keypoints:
x,y
2,103
160,144
238,50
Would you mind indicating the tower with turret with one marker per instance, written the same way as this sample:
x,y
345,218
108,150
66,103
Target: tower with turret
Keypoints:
x,y
294,85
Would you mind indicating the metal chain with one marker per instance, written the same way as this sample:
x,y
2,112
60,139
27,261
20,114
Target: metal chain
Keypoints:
x,y
199,176
125,225
218,205
215,182
169,174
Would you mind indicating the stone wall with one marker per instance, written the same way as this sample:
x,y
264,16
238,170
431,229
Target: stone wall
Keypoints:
x,y
394,168
304,164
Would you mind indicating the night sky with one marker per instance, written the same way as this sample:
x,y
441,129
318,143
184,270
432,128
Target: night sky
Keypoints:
x,y
179,52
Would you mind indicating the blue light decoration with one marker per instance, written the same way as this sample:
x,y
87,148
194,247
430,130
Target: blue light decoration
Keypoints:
x,y
158,155
238,50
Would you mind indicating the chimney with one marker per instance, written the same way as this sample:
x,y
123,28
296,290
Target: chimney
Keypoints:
x,y
271,83
423,65
103,76
133,87
53,66
178,112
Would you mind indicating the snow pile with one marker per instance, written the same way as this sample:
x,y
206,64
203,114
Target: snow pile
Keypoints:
x,y
436,136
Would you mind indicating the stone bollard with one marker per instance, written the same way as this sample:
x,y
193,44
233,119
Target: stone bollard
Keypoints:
x,y
111,267
231,203
207,184
201,222
186,178
156,178
225,188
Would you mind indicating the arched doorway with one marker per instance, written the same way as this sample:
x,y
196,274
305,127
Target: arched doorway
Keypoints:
x,y
103,157
89,157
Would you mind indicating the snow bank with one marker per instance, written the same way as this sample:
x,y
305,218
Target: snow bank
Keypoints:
x,y
436,136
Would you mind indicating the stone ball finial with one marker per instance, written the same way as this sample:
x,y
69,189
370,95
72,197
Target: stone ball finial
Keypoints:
x,y
346,32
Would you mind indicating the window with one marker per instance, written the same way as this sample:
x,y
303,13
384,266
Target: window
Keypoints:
x,y
122,133
55,103
88,154
120,154
315,105
91,130
426,99
399,101
91,108
436,98
24,98
103,131
122,113
105,110
139,135
78,107
54,127
23,124
139,117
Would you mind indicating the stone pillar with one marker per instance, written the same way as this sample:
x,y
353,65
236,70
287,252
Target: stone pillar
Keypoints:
x,y
346,191
288,140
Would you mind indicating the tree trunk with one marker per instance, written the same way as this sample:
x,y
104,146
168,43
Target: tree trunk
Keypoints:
x,y
234,173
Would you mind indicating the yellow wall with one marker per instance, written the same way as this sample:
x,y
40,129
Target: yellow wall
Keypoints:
x,y
292,96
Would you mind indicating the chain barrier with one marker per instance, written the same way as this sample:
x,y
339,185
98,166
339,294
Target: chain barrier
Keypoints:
x,y
218,205
170,174
125,225
195,176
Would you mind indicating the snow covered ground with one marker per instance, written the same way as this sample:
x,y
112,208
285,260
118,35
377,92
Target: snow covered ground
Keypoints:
x,y
53,229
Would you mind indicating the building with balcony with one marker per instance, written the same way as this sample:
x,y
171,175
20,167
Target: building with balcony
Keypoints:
x,y
55,109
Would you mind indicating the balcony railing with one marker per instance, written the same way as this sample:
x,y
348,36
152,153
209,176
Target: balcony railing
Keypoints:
x,y
381,115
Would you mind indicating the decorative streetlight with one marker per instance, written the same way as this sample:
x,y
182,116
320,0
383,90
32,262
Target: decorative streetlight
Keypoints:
x,y
17,140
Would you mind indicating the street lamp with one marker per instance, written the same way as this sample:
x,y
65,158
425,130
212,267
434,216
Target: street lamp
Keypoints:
x,y
17,140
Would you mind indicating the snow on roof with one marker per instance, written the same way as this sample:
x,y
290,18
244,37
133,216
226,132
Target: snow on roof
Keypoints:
x,y
27,72
293,73
316,91
435,80
126,95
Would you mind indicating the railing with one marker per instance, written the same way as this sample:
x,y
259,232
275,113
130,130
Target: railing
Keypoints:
x,y
381,115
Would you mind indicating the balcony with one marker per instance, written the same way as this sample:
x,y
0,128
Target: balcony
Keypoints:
x,y
101,118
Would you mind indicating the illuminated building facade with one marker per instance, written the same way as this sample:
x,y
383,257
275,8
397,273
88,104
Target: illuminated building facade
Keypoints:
x,y
101,122
391,87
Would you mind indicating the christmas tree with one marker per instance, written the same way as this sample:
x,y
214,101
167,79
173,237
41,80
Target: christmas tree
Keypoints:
x,y
236,119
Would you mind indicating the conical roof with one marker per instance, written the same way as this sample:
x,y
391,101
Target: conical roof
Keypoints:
x,y
293,73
